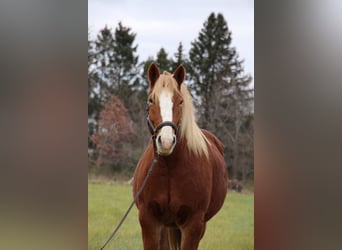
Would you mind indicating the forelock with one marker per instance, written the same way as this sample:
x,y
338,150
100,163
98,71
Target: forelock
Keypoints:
x,y
164,82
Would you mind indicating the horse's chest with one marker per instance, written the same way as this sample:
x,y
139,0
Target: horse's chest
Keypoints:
x,y
177,195
180,184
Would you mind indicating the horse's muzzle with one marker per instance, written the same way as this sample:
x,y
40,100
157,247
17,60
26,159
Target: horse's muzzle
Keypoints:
x,y
165,144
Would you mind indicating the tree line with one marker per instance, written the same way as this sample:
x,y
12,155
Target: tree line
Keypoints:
x,y
117,95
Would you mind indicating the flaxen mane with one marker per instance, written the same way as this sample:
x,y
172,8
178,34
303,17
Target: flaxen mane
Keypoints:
x,y
196,140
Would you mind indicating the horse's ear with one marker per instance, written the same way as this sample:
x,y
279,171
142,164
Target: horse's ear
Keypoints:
x,y
179,75
152,74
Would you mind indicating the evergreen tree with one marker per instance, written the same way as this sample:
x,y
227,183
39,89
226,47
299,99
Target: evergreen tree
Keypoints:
x,y
91,80
180,58
145,65
128,84
211,56
103,64
163,61
94,106
220,86
100,53
116,62
125,62
112,70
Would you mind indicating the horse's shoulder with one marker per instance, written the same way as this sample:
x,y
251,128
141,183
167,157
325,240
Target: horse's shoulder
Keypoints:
x,y
147,156
144,162
213,139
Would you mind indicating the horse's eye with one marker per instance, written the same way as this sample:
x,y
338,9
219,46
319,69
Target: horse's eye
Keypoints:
x,y
181,102
150,101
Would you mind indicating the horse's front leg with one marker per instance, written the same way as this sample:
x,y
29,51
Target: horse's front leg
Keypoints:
x,y
192,232
151,231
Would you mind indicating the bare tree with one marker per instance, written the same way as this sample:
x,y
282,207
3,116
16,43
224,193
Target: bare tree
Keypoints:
x,y
115,133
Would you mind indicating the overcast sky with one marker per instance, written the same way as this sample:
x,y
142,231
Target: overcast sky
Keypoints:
x,y
164,24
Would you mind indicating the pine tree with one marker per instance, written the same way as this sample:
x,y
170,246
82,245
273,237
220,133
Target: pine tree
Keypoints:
x,y
128,84
163,62
103,64
125,61
210,56
112,70
94,105
116,62
220,86
180,58
145,64
91,81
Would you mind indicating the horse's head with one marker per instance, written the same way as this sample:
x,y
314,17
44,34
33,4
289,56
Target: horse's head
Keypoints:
x,y
165,107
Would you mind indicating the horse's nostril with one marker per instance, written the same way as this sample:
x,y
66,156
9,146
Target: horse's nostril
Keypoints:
x,y
159,139
174,140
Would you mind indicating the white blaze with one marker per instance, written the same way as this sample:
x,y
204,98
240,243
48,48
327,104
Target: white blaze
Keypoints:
x,y
165,103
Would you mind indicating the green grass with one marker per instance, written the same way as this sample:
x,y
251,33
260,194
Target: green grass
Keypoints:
x,y
231,229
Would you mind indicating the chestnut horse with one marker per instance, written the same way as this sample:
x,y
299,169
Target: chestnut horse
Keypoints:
x,y
188,184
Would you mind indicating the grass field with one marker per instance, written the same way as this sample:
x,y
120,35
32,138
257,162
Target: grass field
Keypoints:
x,y
231,229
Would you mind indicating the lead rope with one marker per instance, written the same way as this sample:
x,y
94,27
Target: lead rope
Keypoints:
x,y
134,200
